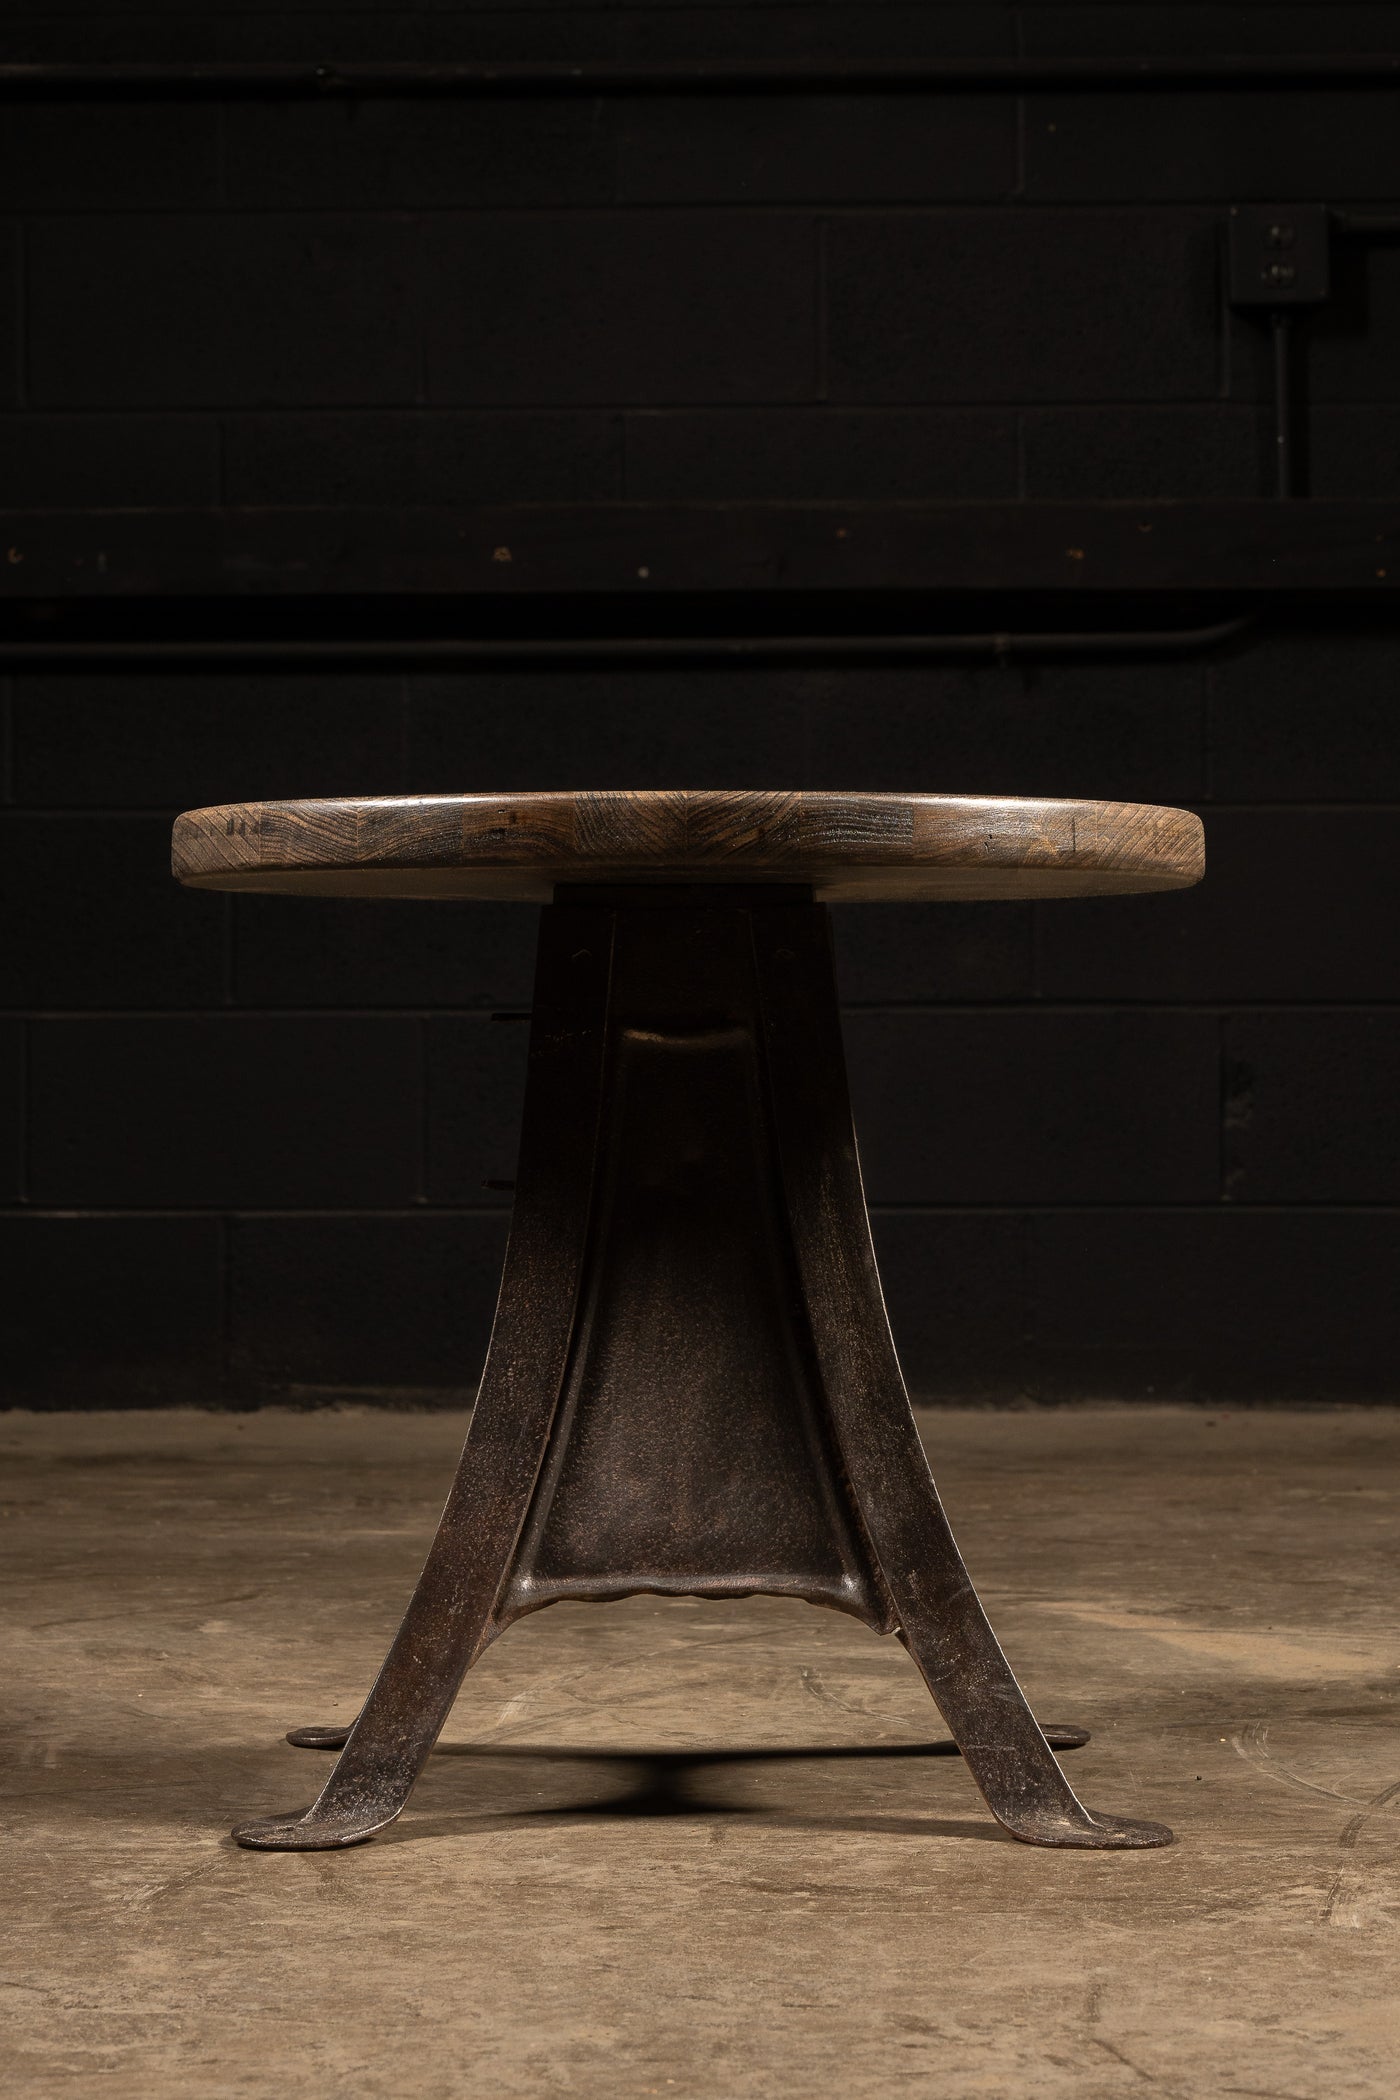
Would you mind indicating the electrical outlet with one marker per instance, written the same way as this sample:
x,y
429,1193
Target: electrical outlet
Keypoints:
x,y
1278,254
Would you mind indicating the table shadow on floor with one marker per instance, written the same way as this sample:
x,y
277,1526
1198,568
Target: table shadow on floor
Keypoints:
x,y
666,1784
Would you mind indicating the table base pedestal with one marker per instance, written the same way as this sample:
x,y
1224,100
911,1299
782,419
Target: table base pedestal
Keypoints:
x,y
691,1387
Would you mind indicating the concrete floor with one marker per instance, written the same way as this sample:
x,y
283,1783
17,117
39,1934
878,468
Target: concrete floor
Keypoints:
x,y
692,1849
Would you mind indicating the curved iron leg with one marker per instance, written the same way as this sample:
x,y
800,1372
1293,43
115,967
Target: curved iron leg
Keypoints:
x,y
942,1622
449,1618
948,1634
443,1631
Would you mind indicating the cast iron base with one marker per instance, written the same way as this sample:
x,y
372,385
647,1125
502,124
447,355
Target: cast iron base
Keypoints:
x,y
691,1387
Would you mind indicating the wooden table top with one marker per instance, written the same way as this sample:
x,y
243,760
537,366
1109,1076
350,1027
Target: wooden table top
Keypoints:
x,y
847,847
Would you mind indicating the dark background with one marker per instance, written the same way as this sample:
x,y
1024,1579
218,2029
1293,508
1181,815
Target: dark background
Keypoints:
x,y
1120,1148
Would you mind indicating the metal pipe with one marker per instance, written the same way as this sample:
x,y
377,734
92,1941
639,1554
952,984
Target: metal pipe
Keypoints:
x,y
361,79
1171,641
1281,324
1377,225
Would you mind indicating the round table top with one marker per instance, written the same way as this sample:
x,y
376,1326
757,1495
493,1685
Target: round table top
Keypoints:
x,y
847,847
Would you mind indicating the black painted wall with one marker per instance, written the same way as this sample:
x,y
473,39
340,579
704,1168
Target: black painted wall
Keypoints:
x,y
1127,1148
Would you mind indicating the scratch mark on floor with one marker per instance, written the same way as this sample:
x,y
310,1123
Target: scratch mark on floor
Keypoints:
x,y
1252,1744
1347,1842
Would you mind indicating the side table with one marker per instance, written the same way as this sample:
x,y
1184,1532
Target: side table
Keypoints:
x,y
691,1387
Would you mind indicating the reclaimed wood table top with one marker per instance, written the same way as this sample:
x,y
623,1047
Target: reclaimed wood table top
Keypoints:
x,y
845,847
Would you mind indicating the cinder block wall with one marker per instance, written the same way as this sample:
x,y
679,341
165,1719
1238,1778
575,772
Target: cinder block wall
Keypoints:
x,y
1130,1148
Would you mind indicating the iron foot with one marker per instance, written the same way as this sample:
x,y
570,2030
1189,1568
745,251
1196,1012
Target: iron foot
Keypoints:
x,y
1094,1833
298,1832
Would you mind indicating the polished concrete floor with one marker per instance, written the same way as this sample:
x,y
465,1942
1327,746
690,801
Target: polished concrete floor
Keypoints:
x,y
692,1849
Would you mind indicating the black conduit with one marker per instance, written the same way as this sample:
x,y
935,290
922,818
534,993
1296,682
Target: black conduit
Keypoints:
x,y
299,81
1282,326
1369,225
792,648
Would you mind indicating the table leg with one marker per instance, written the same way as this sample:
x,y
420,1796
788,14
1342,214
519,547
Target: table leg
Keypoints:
x,y
449,1619
942,1623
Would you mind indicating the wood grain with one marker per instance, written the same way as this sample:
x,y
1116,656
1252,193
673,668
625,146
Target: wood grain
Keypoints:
x,y
846,846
